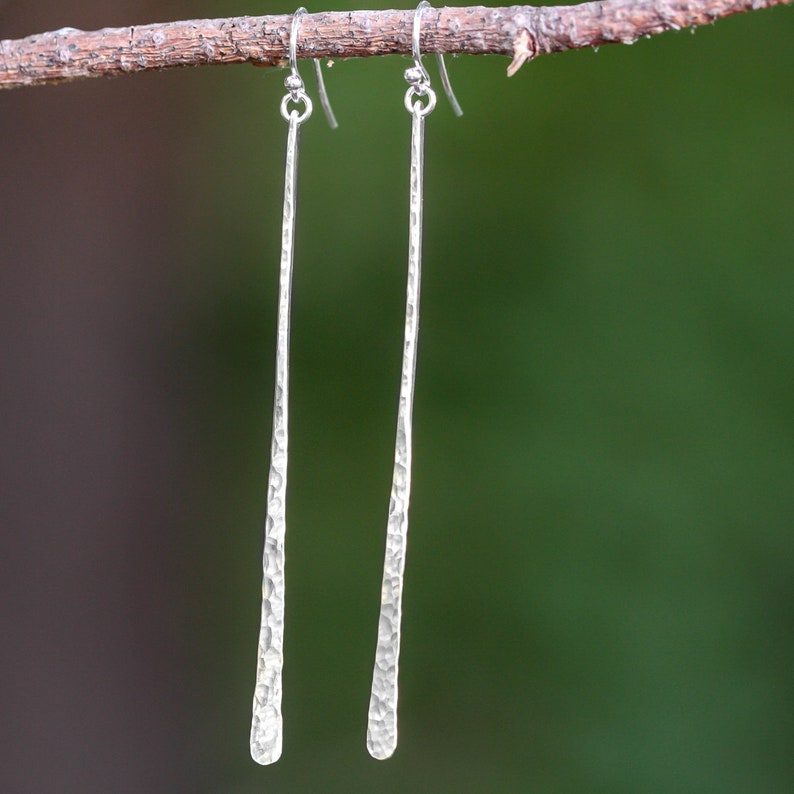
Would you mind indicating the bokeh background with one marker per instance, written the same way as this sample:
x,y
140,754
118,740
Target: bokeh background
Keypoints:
x,y
600,581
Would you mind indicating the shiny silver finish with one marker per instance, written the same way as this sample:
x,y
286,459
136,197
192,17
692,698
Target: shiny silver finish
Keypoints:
x,y
442,67
267,720
295,81
266,724
382,719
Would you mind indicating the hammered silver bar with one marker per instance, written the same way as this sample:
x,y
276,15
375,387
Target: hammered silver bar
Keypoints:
x,y
266,724
382,720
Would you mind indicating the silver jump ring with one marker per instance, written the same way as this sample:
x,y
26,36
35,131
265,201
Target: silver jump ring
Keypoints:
x,y
418,107
300,96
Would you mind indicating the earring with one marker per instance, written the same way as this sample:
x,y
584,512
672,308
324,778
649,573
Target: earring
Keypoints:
x,y
382,718
266,724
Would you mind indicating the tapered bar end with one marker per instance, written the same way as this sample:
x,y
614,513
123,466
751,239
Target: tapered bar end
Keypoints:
x,y
266,753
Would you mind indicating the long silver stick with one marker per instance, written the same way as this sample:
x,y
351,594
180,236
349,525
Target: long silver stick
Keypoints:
x,y
266,724
267,721
382,722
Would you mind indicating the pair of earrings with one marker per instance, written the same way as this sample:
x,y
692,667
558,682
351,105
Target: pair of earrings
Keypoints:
x,y
266,725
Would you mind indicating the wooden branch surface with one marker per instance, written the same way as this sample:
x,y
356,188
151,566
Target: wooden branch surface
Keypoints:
x,y
524,32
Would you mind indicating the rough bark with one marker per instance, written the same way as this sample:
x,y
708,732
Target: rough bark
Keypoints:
x,y
524,32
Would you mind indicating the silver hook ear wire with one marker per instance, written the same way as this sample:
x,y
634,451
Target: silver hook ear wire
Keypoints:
x,y
294,82
324,102
442,68
294,77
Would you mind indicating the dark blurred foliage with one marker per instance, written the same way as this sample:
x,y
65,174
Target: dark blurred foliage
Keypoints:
x,y
600,583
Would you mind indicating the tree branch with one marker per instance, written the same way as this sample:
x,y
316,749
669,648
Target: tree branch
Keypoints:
x,y
523,32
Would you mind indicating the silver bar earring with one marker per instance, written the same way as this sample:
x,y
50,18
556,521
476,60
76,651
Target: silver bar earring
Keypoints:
x,y
267,721
382,718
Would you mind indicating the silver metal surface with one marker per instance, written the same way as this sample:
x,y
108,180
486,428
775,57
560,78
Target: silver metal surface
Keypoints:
x,y
267,720
324,101
382,719
266,724
415,34
453,100
442,67
420,90
294,81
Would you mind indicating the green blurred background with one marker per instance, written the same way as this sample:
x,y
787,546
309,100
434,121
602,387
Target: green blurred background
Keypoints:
x,y
600,579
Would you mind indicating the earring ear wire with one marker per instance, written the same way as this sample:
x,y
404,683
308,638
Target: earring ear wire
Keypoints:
x,y
294,75
420,99
442,67
266,719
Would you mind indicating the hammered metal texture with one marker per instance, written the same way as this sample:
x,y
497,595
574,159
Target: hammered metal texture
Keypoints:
x,y
382,721
266,724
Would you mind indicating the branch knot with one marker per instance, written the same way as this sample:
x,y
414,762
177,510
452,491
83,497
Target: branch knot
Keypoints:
x,y
525,48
